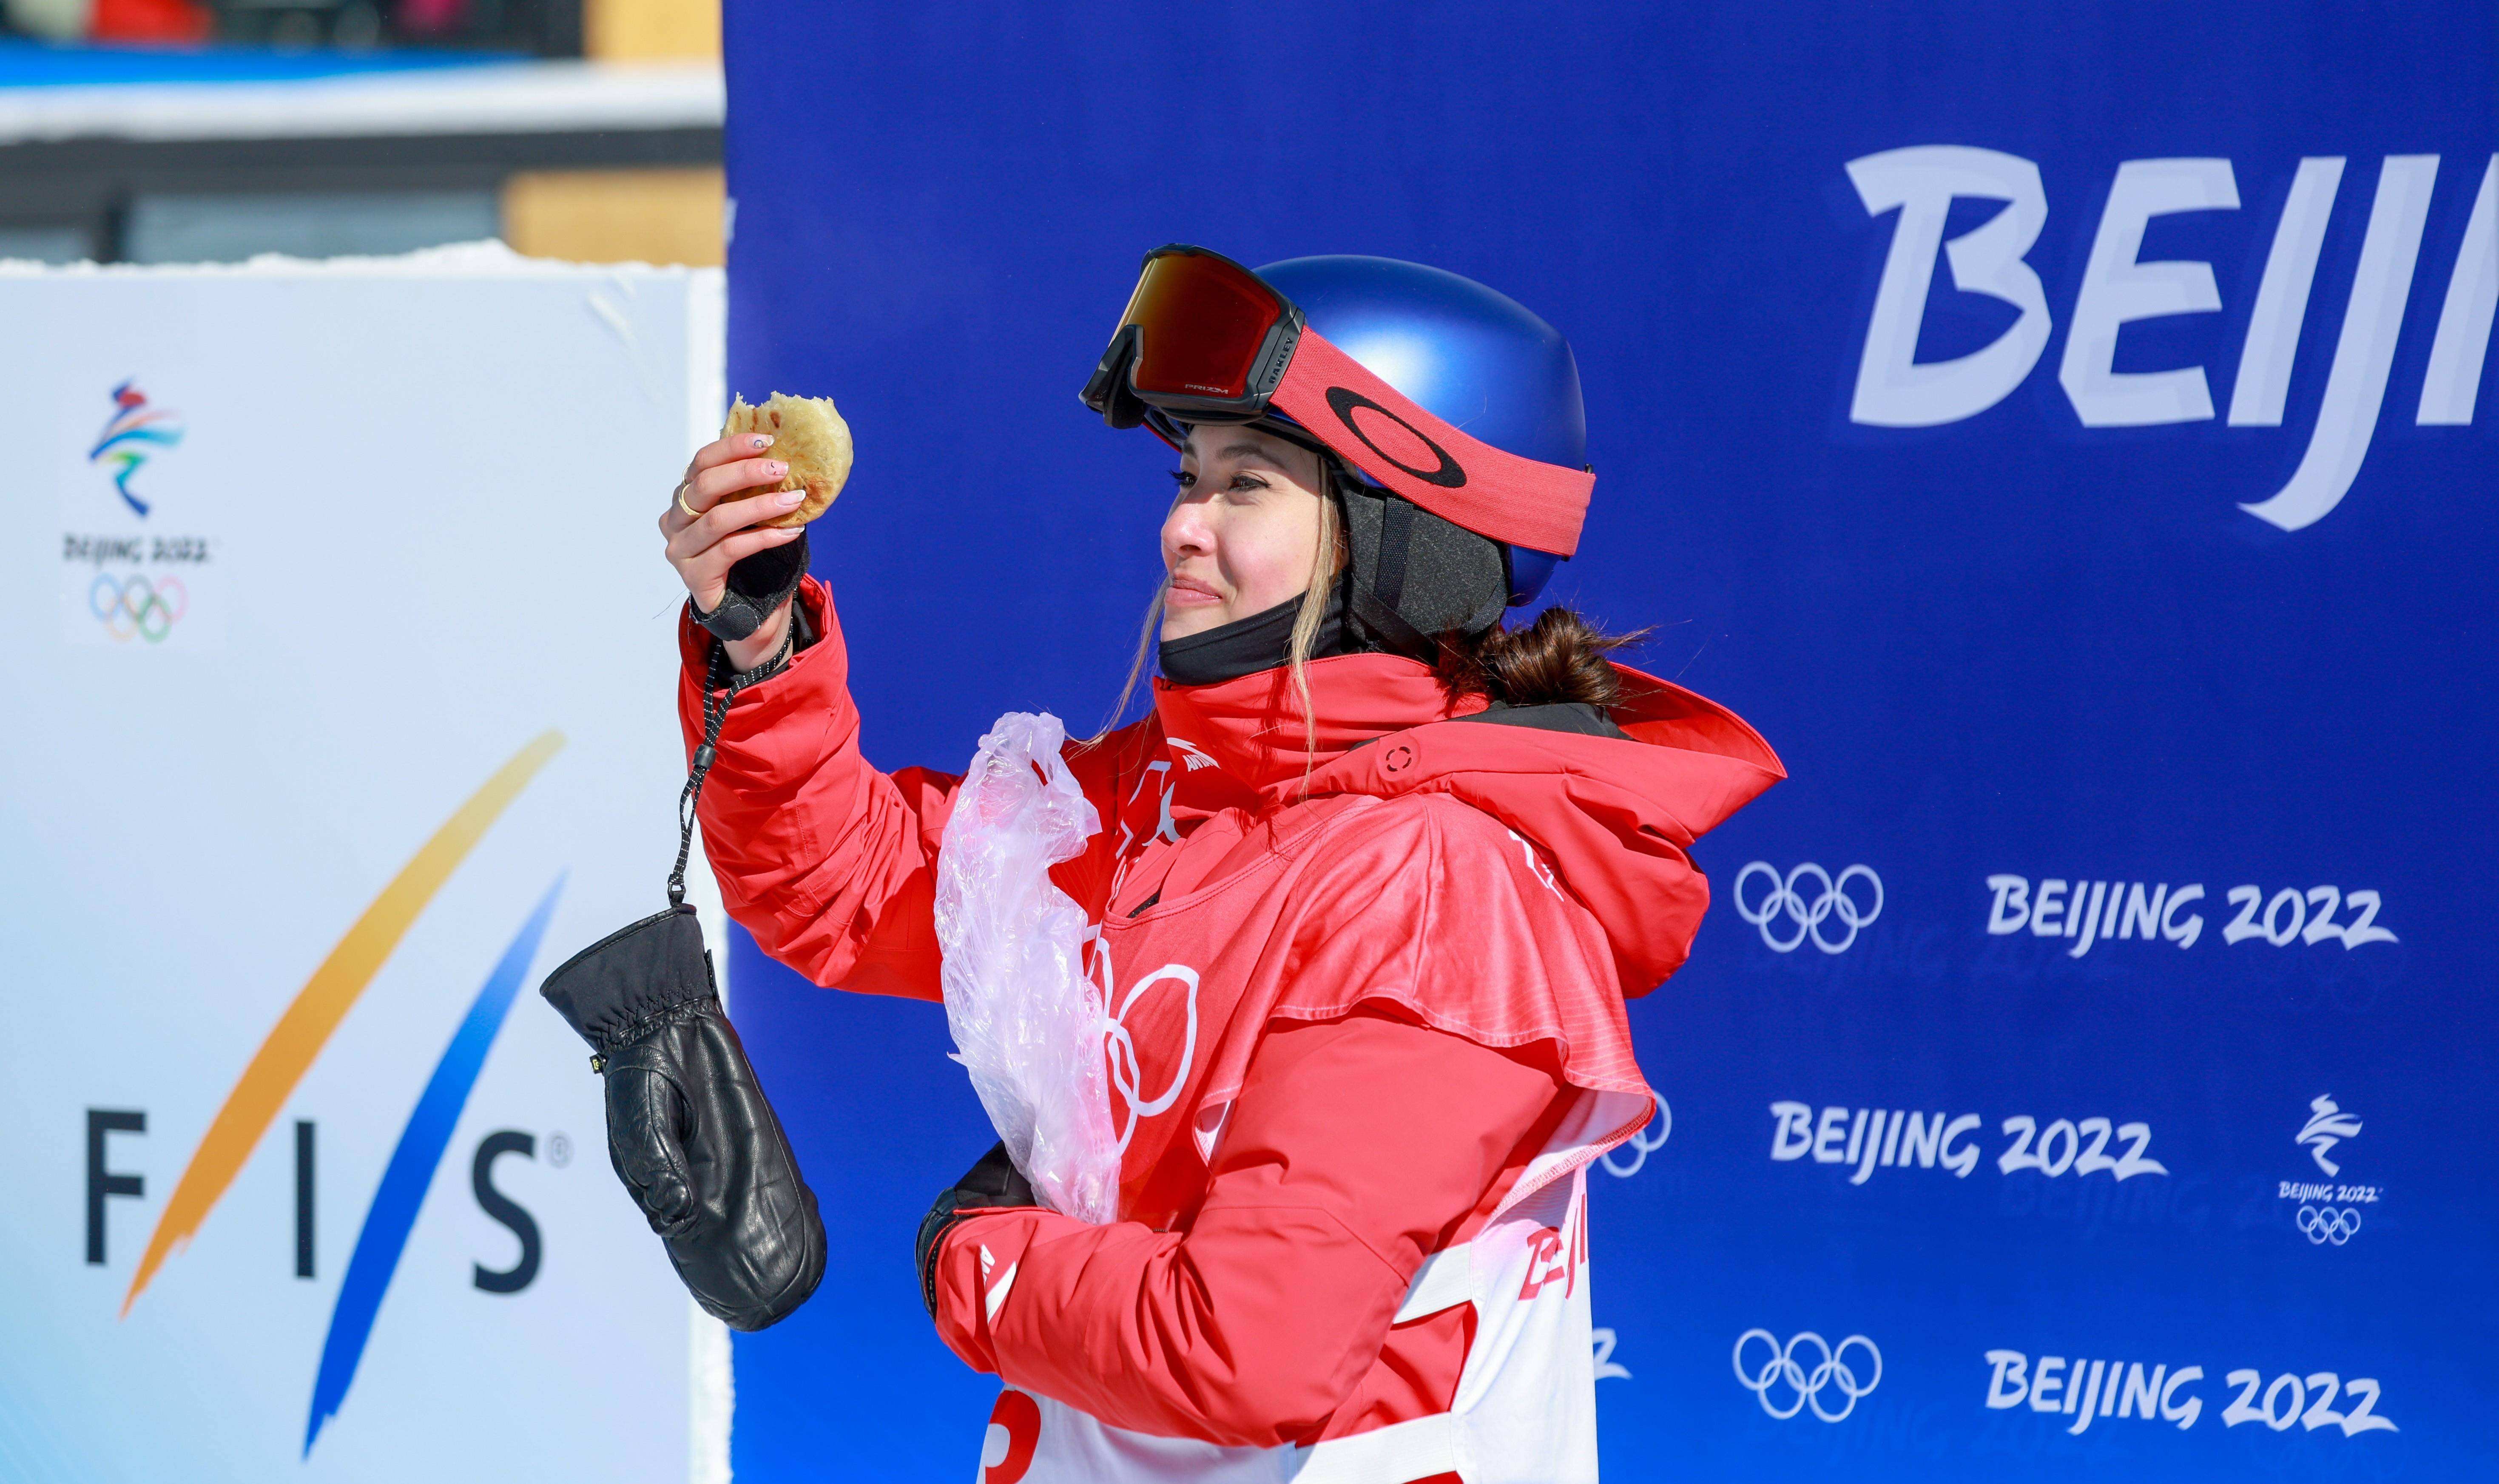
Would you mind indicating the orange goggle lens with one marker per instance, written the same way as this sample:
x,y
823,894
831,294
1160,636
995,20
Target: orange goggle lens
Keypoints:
x,y
1202,321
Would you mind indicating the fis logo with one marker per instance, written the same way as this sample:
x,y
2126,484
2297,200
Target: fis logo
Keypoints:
x,y
289,1052
1896,390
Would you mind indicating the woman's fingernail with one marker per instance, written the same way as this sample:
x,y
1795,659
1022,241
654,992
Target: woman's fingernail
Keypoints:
x,y
763,440
791,496
776,467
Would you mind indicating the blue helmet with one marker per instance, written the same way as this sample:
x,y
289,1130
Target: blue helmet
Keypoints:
x,y
1470,356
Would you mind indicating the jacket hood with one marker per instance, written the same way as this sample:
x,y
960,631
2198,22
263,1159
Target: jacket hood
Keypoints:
x,y
1616,814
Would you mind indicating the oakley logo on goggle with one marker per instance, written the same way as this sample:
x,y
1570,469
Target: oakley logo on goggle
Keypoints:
x,y
1343,402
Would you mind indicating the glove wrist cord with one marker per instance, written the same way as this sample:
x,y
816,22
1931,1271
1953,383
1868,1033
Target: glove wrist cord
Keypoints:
x,y
720,693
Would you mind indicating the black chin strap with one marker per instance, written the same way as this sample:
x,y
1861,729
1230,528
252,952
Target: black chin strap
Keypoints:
x,y
1396,535
1377,605
1397,636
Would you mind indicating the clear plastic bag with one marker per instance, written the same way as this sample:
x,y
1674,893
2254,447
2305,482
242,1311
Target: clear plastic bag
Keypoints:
x,y
1026,1022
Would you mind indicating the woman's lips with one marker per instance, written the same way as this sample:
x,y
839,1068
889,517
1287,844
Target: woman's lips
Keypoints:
x,y
1189,593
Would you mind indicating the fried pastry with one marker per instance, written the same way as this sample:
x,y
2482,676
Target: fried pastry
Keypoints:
x,y
810,438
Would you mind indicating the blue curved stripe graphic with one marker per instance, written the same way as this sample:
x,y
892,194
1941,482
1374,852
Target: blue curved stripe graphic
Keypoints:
x,y
393,1213
165,435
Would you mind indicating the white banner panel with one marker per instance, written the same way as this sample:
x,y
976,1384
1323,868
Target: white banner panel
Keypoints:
x,y
340,659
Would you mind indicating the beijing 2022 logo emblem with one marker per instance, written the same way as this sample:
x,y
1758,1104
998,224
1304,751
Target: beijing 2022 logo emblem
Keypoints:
x,y
130,436
131,583
2330,1210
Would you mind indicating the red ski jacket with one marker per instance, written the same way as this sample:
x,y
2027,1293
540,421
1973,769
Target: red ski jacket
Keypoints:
x,y
1367,991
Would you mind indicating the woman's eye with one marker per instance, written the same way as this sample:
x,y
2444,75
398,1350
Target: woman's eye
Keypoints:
x,y
1183,479
1247,482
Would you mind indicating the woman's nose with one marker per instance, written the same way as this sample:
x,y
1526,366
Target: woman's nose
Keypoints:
x,y
1186,531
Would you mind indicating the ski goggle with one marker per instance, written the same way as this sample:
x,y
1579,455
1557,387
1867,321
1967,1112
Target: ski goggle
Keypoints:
x,y
1206,340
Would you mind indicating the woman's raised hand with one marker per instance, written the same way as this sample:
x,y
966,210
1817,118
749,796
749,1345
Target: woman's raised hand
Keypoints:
x,y
708,528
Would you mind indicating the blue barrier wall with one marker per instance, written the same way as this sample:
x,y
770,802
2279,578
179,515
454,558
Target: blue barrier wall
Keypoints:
x,y
1964,531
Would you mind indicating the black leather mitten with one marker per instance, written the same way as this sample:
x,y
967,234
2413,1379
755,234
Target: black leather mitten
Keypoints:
x,y
756,585
991,1184
689,1130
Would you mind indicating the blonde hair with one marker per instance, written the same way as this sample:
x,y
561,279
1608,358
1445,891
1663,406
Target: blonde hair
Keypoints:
x,y
1147,635
1325,557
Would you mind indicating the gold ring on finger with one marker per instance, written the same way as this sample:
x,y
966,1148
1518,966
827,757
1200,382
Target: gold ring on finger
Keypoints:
x,y
691,512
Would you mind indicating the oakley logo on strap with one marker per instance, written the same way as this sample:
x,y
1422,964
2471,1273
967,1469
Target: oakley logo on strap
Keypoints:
x,y
1344,402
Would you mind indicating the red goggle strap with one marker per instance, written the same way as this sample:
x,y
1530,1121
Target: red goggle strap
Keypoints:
x,y
1456,478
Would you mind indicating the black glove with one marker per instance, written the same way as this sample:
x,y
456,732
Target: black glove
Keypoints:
x,y
756,585
991,1184
687,1128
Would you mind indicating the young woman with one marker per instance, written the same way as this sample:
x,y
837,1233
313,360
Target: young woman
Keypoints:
x,y
1375,878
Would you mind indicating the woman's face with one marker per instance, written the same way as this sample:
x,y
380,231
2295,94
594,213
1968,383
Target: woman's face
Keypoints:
x,y
1243,536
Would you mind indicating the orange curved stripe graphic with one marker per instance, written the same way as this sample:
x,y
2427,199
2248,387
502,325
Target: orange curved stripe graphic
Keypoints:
x,y
321,1004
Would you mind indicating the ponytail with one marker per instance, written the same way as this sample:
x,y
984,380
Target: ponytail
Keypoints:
x,y
1560,658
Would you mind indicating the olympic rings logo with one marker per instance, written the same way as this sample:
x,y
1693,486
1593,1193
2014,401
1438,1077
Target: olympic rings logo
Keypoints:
x,y
1127,1073
2322,1224
135,606
1783,902
1783,1370
1642,1143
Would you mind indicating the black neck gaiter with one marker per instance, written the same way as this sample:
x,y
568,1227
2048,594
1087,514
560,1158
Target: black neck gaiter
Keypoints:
x,y
1263,641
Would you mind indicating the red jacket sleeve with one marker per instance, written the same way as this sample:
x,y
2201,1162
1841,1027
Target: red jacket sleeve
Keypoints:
x,y
830,863
1355,1148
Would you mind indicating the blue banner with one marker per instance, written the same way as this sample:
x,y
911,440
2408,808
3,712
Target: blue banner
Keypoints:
x,y
2058,427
